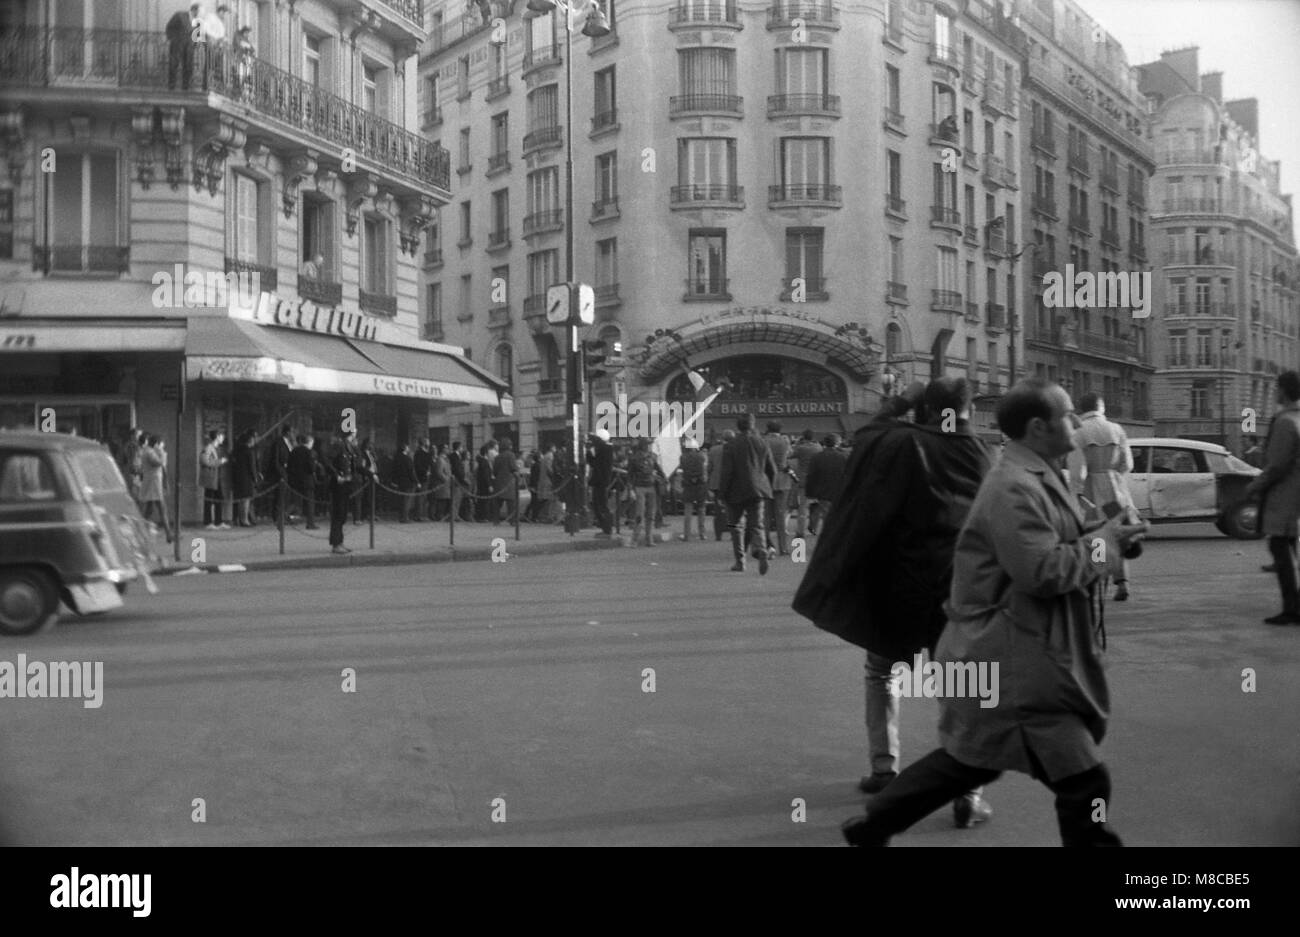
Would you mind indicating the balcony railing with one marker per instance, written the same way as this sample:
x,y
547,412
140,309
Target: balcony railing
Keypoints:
x,y
550,385
803,104
894,119
1187,156
267,276
1208,256
498,162
972,235
1137,195
433,257
1109,179
378,303
1077,160
412,10
995,244
1202,204
82,258
605,208
552,219
690,194
500,238
130,60
944,54
996,315
946,301
604,119
896,205
497,87
730,104
997,172
322,292
1107,345
1110,238
1138,252
812,193
1081,222
943,215
543,137
707,288
540,58
432,115
705,11
812,12
895,292
1043,141
1204,310
972,312
998,97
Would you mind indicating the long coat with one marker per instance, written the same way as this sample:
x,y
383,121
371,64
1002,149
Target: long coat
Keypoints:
x,y
210,460
1279,484
780,447
155,465
1100,462
243,471
747,469
1023,579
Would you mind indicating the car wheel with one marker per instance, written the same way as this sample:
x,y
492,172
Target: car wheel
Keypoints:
x,y
29,601
1241,521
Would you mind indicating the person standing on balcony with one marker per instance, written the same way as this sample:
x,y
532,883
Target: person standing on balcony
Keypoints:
x,y
314,269
244,55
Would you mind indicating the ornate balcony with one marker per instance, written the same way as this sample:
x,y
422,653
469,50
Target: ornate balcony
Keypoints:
x,y
1137,195
1110,238
1080,222
941,216
973,313
896,293
705,13
814,13
267,276
543,138
321,292
498,162
82,258
946,301
604,120
1078,161
707,196
1109,180
996,316
539,222
541,58
805,194
1198,205
727,105
941,54
707,289
817,105
283,106
602,209
895,121
497,240
896,206
1044,142
550,385
498,87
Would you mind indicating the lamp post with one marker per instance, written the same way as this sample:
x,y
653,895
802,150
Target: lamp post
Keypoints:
x,y
1000,223
1225,339
596,25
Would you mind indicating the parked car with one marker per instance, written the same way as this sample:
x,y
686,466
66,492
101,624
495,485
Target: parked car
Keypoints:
x,y
69,531
1177,480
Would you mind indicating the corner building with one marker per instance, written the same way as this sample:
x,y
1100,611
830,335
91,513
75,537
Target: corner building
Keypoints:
x,y
134,160
781,194
1227,269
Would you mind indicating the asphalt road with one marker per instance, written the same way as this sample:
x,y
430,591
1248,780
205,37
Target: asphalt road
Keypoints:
x,y
526,680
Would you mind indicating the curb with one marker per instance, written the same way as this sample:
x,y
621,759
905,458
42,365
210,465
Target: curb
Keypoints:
x,y
439,555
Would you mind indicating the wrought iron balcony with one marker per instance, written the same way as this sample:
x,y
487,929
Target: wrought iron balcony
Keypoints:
x,y
972,235
972,313
498,239
998,98
433,257
379,303
688,195
1202,310
1201,205
996,172
82,258
894,120
1137,195
1077,160
106,60
1110,238
543,138
1109,180
943,216
805,194
550,385
995,316
946,301
323,292
819,13
707,289
1045,142
1197,157
1108,345
896,205
604,120
498,87
727,104
895,292
541,58
944,54
552,219
604,208
818,104
1080,222
267,276
705,12
498,162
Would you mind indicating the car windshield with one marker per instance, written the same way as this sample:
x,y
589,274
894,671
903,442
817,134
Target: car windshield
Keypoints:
x,y
97,472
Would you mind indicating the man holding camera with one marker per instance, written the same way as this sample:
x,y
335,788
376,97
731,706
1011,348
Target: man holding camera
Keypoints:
x,y
1024,583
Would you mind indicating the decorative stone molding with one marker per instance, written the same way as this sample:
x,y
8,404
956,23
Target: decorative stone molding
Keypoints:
x,y
171,129
360,186
220,139
300,166
329,184
416,215
257,155
143,134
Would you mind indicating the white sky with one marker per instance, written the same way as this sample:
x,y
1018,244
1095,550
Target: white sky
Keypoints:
x,y
1255,43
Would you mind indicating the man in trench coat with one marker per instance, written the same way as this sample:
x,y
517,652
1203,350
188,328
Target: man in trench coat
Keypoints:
x,y
1024,577
1279,488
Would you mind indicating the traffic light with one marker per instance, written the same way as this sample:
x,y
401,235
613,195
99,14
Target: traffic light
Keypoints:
x,y
594,353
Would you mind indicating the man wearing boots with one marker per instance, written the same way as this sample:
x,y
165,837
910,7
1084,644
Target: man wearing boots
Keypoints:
x,y
745,485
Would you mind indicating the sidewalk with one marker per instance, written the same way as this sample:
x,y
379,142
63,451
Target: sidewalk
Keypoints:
x,y
243,549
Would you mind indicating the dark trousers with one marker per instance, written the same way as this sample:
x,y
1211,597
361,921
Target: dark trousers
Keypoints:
x,y
1284,558
306,496
746,519
338,512
938,778
777,509
600,508
212,506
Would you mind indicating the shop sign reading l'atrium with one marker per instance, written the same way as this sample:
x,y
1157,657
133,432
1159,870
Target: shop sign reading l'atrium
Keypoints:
x,y
306,316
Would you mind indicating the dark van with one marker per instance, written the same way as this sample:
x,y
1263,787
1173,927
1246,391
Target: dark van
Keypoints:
x,y
69,531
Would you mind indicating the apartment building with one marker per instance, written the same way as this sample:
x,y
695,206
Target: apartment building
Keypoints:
x,y
1227,267
794,196
147,156
1087,160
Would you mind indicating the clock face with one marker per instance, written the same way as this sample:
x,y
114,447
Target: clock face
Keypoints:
x,y
586,304
557,304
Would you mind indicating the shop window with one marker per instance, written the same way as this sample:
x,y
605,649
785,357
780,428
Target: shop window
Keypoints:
x,y
85,222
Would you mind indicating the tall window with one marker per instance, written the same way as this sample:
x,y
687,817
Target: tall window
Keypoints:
x,y
466,228
541,36
466,297
893,96
247,242
707,262
318,232
943,33
7,224
311,60
543,189
464,148
803,257
462,77
894,168
606,98
607,262
370,89
1204,347
945,187
707,71
506,365
543,270
374,271
85,219
543,108
501,134
801,72
706,161
500,214
433,314
947,268
896,259
805,161
607,177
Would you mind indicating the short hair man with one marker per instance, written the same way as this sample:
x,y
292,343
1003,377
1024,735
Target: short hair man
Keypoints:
x,y
1024,575
745,485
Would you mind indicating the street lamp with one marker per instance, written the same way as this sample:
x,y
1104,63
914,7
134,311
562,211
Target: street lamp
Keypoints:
x,y
1000,223
596,25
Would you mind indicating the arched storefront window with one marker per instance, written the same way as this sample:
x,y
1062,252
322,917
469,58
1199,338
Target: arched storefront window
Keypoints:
x,y
799,394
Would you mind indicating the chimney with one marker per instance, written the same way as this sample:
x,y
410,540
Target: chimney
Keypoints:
x,y
1184,63
1212,86
1245,111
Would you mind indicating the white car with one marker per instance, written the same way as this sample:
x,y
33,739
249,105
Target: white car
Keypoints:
x,y
1188,480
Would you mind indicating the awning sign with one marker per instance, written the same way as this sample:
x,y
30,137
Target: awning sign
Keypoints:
x,y
213,368
305,316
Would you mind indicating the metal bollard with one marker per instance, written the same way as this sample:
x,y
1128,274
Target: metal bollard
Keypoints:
x,y
451,515
282,490
516,484
373,485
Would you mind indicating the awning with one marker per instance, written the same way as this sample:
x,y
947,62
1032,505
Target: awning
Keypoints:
x,y
220,348
85,335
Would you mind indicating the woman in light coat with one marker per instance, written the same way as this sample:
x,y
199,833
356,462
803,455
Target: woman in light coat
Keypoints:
x,y
153,487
